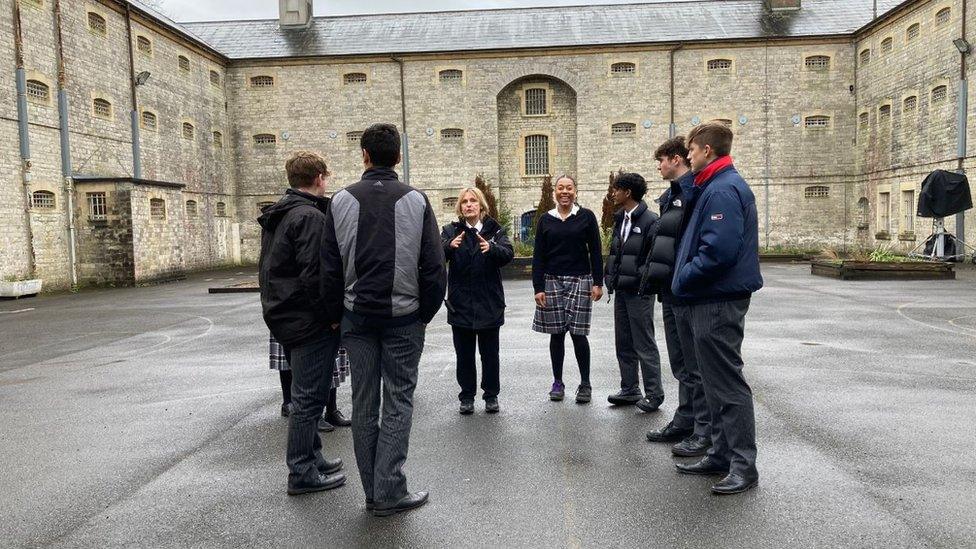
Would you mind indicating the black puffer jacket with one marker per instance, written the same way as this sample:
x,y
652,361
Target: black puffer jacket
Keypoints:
x,y
290,265
475,297
623,264
657,272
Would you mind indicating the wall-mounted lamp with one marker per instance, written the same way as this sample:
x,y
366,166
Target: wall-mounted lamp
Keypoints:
x,y
142,78
962,45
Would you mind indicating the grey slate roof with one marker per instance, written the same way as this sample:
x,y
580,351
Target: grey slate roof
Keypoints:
x,y
670,21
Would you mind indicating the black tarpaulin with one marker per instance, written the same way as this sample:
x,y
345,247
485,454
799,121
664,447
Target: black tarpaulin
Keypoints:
x,y
943,194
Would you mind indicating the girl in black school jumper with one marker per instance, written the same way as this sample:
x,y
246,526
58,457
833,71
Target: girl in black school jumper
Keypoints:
x,y
567,275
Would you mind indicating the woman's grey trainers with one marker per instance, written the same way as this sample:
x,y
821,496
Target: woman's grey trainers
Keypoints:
x,y
558,391
584,393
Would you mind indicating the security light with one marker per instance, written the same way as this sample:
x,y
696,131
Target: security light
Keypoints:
x,y
962,45
142,78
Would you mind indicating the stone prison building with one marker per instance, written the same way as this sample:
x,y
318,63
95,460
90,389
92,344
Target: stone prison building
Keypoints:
x,y
134,148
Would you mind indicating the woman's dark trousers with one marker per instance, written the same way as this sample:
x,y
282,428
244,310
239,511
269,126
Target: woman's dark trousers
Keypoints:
x,y
467,373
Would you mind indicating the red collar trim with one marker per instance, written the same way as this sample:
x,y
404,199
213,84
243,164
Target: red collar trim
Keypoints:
x,y
710,170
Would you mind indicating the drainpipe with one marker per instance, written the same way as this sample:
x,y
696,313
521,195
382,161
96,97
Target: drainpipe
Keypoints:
x,y
672,127
133,114
69,189
22,132
766,168
962,121
403,122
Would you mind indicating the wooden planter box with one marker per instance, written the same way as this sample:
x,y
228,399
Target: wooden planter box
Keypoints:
x,y
20,288
869,270
781,258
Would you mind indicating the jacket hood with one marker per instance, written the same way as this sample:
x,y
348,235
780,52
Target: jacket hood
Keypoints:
x,y
272,215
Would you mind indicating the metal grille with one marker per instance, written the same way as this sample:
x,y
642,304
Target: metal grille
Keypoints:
x,y
354,78
42,200
886,45
221,209
191,208
865,57
214,78
102,107
910,104
912,32
144,45
148,120
262,81
38,91
863,120
157,208
451,76
939,94
187,130
354,137
623,68
535,101
265,139
884,114
720,65
942,17
816,191
817,122
536,155
96,23
623,128
817,63
218,140
97,206
452,134
184,63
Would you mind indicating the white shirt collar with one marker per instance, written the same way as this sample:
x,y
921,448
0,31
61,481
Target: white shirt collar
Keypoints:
x,y
630,214
555,212
477,227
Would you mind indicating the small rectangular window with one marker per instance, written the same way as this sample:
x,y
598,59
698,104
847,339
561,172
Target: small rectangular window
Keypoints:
x,y
817,63
215,78
939,95
884,212
187,130
623,68
96,24
265,140
863,119
148,120
623,129
218,140
719,65
157,208
221,209
184,63
42,200
452,134
102,108
910,105
144,45
535,101
912,32
354,137
817,191
451,76
817,122
191,208
354,78
884,114
865,57
97,206
38,92
262,81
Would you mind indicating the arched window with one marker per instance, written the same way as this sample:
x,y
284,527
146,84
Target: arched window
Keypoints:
x,y
863,213
942,16
865,56
816,191
818,122
450,76
265,140
536,155
351,78
149,120
102,108
96,24
221,209
184,63
38,92
862,120
939,95
909,105
144,45
535,101
884,114
913,32
452,134
191,208
887,45
187,130
627,129
262,81
719,65
817,63
214,78
623,68
218,140
157,208
43,200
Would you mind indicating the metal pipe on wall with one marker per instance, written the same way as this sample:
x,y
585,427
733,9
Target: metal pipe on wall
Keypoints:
x,y
403,122
962,122
134,113
24,136
69,190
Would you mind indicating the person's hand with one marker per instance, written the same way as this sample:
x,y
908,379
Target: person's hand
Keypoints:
x,y
483,244
540,299
456,243
596,293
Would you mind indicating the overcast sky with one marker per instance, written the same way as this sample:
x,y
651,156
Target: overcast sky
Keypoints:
x,y
216,10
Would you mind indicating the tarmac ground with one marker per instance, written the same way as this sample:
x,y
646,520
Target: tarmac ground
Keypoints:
x,y
148,417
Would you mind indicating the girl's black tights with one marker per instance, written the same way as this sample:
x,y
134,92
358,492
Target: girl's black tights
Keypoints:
x,y
557,352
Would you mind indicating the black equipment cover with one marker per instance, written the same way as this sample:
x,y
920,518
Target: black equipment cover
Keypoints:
x,y
943,194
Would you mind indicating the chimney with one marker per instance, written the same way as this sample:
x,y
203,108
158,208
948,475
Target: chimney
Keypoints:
x,y
294,14
783,5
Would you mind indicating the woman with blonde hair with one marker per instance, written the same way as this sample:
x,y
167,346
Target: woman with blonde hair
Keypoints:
x,y
476,248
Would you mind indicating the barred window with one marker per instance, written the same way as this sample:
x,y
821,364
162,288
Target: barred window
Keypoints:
x,y
719,65
886,45
909,105
265,140
144,45
187,130
157,208
191,208
262,81
816,191
884,114
450,76
452,134
943,16
863,120
623,129
96,23
214,78
863,212
535,101
38,91
449,203
536,155
218,140
865,56
908,211
939,95
263,205
184,63
912,32
102,108
354,78
817,122
623,68
148,120
97,206
354,137
817,63
221,209
42,200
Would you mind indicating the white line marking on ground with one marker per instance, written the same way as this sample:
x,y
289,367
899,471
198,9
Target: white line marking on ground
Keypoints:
x,y
15,312
927,325
208,395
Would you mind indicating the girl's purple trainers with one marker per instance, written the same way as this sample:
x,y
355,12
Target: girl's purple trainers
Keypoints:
x,y
558,391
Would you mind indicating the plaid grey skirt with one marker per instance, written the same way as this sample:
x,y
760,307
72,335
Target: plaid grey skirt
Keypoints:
x,y
569,306
339,373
